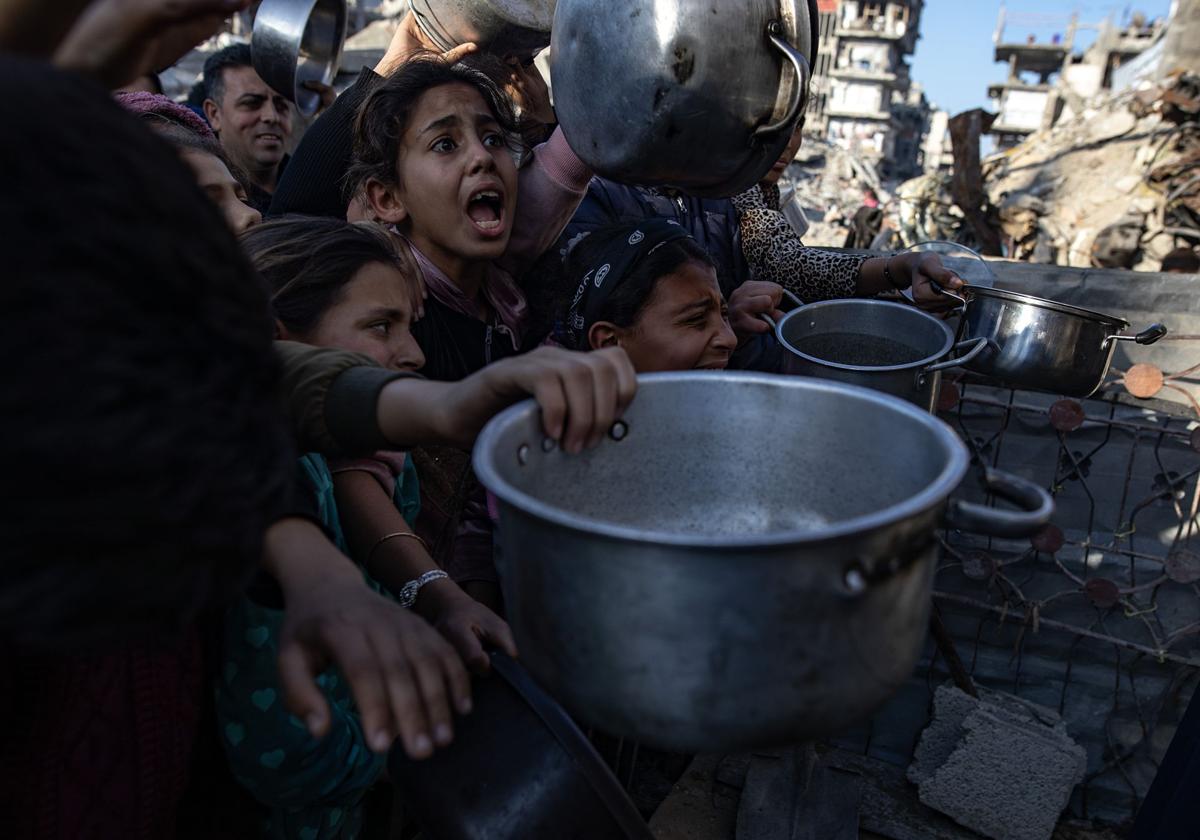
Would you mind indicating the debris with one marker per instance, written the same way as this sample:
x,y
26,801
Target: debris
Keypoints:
x,y
998,765
1114,186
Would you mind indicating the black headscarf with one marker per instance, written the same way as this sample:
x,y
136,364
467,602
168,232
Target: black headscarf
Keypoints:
x,y
618,252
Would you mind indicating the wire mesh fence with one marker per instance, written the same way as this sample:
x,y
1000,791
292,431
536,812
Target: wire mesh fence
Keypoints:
x,y
1097,616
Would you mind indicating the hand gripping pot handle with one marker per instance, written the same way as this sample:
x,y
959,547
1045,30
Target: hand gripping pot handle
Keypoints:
x,y
1036,508
799,98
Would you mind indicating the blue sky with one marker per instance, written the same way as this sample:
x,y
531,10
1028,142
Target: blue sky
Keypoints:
x,y
954,56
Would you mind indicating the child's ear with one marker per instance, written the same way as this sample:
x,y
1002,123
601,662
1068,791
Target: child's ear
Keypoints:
x,y
603,334
385,203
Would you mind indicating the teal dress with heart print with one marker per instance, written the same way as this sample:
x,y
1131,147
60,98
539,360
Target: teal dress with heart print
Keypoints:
x,y
312,789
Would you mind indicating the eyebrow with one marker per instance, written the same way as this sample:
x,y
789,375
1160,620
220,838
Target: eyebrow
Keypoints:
x,y
389,312
481,119
696,307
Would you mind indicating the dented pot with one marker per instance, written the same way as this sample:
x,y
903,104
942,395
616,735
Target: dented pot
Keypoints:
x,y
506,28
747,561
700,95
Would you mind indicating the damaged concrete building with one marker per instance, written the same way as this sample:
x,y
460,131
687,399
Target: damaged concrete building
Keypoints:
x,y
863,97
1048,79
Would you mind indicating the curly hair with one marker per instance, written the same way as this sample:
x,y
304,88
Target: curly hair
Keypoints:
x,y
144,446
384,115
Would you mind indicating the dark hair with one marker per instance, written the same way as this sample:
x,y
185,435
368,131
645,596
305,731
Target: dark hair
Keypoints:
x,y
144,446
1182,259
383,117
626,302
308,260
235,55
197,93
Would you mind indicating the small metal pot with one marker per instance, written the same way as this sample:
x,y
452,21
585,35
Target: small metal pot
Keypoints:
x,y
700,95
886,346
504,27
298,41
1042,345
747,561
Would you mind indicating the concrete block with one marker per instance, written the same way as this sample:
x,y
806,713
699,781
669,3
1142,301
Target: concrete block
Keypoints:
x,y
951,707
1006,781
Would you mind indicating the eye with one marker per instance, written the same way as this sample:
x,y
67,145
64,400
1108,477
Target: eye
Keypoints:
x,y
493,140
443,144
379,327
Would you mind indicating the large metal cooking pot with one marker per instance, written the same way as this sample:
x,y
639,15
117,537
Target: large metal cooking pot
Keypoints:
x,y
696,94
298,41
1040,344
747,562
889,347
504,27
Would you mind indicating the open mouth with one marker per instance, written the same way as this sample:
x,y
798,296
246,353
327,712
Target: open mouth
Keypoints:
x,y
271,138
486,211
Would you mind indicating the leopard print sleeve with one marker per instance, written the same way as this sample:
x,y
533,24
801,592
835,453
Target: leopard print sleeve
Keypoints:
x,y
775,252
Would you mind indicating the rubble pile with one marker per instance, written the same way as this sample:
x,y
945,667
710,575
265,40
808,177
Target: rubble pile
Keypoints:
x,y
827,181
1114,186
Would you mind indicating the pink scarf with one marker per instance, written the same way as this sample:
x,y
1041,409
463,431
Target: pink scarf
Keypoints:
x,y
499,290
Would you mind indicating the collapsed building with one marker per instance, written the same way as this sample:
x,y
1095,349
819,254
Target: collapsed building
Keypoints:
x,y
863,98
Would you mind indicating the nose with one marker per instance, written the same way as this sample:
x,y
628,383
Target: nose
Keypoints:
x,y
269,113
242,216
409,355
480,159
724,338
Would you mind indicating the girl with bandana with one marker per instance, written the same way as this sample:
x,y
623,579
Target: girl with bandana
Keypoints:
x,y
649,288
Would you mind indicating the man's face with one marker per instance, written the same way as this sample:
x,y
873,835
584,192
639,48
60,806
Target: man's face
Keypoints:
x,y
253,121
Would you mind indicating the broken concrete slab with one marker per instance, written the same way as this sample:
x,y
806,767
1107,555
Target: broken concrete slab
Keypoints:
x,y
951,707
1006,782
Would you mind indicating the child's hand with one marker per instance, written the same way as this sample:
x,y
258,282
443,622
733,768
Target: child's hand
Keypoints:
x,y
748,302
528,89
118,40
466,623
408,41
402,674
581,394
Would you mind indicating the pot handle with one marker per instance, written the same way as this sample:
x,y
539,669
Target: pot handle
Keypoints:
x,y
979,344
962,301
767,318
1036,505
799,98
1149,335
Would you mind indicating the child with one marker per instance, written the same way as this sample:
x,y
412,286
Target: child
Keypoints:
x,y
434,159
344,285
199,149
649,288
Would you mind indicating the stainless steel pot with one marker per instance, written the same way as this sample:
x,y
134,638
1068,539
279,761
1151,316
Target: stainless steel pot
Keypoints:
x,y
1040,344
889,347
504,27
696,94
298,41
747,561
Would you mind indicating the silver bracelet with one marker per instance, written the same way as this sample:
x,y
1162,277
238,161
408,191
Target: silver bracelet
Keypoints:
x,y
408,592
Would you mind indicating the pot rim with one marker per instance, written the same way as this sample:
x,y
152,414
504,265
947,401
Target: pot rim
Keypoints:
x,y
947,345
932,495
1044,303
